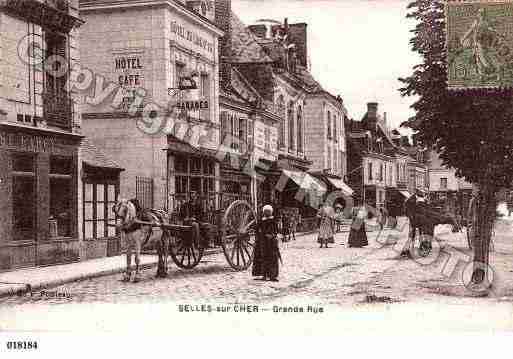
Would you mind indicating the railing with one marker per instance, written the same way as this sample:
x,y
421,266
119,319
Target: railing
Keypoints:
x,y
57,110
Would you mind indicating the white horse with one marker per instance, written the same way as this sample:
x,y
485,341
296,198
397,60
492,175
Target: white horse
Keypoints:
x,y
135,235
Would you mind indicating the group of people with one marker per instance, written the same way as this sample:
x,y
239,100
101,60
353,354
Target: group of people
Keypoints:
x,y
329,218
267,256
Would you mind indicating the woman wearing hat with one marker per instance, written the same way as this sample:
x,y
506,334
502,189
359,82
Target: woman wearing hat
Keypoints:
x,y
267,252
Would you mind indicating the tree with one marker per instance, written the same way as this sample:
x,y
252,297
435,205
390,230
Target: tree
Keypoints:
x,y
472,130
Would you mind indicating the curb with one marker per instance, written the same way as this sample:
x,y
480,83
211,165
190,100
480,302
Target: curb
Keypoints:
x,y
18,289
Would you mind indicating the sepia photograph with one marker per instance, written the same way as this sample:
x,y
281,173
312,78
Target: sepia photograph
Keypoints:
x,y
260,167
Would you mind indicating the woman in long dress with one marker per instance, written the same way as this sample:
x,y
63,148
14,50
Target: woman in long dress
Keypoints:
x,y
357,234
267,252
326,215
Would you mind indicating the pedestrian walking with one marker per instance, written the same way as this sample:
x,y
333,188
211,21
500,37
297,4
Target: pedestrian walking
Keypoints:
x,y
267,252
285,227
382,218
357,234
326,216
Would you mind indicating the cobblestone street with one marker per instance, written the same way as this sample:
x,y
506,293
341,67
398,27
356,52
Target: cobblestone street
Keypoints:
x,y
339,277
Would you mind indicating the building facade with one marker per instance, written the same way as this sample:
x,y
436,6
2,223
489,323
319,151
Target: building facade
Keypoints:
x,y
39,134
446,190
373,170
161,120
326,145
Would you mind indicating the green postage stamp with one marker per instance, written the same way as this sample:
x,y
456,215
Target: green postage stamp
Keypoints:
x,y
479,44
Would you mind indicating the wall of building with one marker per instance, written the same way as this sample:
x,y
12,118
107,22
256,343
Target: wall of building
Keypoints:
x,y
318,144
139,155
21,69
156,41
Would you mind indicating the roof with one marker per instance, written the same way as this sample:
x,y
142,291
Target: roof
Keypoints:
x,y
93,157
245,48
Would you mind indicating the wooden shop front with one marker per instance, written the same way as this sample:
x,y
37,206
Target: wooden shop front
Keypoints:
x,y
38,187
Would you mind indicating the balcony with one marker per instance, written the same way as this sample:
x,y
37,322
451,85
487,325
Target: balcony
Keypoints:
x,y
57,110
52,14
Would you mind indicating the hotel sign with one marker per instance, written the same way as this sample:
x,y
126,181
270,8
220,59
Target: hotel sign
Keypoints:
x,y
191,36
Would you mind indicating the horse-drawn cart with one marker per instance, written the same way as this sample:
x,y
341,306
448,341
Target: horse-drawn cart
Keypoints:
x,y
234,232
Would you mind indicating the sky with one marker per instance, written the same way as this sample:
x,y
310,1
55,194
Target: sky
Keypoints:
x,y
357,48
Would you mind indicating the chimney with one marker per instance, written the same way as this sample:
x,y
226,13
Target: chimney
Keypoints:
x,y
298,36
372,110
223,15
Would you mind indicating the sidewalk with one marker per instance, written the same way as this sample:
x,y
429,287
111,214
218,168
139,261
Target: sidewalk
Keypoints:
x,y
21,281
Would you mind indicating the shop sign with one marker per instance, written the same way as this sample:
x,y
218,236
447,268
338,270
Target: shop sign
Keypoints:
x,y
30,143
192,105
129,77
191,36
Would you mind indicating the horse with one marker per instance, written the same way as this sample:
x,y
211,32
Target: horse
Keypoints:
x,y
425,218
136,235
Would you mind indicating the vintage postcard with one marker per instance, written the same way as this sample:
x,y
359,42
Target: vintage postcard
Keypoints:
x,y
254,167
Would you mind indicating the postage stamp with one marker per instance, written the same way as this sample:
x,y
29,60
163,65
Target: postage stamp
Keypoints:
x,y
479,44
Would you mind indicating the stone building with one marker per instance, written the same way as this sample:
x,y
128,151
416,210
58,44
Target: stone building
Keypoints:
x,y
376,165
446,190
39,133
161,120
273,83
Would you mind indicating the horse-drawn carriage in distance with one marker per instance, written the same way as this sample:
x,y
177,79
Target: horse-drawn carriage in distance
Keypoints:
x,y
233,230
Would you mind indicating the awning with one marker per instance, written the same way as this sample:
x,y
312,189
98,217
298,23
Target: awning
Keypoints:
x,y
406,194
305,181
338,183
176,145
93,157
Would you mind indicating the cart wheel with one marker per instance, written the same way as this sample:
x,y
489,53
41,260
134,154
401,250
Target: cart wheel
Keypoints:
x,y
238,239
185,249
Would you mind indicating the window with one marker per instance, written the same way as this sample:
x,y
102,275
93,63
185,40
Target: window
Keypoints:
x,y
61,169
99,220
329,159
299,129
55,79
381,170
267,138
205,94
335,128
282,113
329,124
179,72
443,183
369,167
243,135
342,164
24,197
200,177
144,191
290,117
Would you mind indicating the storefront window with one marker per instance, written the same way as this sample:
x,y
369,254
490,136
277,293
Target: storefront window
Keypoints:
x,y
61,194
24,196
99,220
199,179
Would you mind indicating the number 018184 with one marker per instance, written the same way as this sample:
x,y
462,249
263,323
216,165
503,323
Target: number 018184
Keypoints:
x,y
22,345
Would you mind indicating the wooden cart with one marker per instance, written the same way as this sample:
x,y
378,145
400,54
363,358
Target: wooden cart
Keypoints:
x,y
234,231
